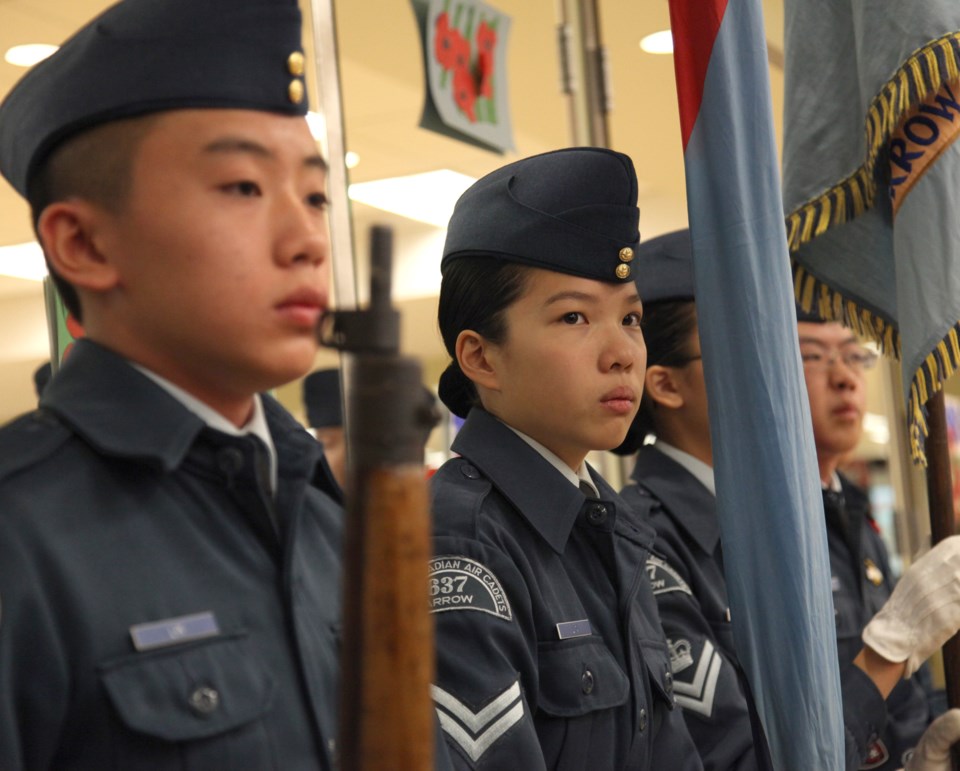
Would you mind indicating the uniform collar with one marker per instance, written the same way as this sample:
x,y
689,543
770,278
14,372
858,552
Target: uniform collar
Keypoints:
x,y
548,501
684,498
121,412
256,425
700,470
118,410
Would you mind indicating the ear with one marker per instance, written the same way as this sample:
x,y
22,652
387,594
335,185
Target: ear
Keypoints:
x,y
659,384
475,360
68,232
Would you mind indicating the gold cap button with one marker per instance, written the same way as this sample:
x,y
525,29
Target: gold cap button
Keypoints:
x,y
295,63
626,254
295,91
623,271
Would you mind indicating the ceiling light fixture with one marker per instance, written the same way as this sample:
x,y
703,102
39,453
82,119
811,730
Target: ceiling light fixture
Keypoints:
x,y
428,197
658,42
29,54
23,261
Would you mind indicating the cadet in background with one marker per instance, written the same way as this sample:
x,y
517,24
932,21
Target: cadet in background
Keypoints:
x,y
673,479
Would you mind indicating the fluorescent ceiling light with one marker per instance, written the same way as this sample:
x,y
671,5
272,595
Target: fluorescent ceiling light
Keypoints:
x,y
28,55
23,261
427,197
658,43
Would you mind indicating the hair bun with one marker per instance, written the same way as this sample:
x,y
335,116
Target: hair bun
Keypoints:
x,y
456,390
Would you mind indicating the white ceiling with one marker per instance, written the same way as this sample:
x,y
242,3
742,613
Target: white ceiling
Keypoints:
x,y
382,94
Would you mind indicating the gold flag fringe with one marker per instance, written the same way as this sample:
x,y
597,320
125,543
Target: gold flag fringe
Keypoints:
x,y
921,75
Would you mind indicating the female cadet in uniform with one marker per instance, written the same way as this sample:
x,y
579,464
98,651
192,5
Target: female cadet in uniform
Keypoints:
x,y
673,479
550,651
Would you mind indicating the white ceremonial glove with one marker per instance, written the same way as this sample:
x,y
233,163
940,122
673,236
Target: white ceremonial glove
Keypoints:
x,y
924,610
932,752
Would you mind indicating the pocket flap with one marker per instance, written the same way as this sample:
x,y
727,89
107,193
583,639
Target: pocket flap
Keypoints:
x,y
189,692
579,676
657,659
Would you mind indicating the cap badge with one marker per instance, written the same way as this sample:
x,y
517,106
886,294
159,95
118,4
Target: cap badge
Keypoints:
x,y
295,91
295,64
873,573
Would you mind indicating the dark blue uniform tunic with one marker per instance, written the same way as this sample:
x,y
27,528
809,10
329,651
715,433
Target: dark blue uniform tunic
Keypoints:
x,y
550,650
119,508
691,594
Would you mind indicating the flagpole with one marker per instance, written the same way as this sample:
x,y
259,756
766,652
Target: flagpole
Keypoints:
x,y
940,501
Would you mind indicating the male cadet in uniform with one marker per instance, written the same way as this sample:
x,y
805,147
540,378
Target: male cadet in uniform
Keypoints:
x,y
169,539
676,476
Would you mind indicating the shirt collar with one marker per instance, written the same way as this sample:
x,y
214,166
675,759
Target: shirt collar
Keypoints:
x,y
574,478
700,470
835,486
256,425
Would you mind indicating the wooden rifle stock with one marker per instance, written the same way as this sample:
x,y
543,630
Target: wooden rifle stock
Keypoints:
x,y
387,659
940,498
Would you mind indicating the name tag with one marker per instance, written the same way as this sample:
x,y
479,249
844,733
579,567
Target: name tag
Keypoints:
x,y
174,631
568,629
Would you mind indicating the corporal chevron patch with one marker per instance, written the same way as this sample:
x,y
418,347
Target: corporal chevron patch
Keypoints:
x,y
664,578
475,732
696,688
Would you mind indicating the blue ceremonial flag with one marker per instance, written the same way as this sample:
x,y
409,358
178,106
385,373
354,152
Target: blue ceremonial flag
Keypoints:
x,y
768,488
872,178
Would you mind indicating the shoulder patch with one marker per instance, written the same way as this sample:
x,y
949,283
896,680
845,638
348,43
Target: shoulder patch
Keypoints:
x,y
460,583
695,675
476,731
877,755
664,578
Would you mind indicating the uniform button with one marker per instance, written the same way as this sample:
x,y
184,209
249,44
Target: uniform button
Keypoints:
x,y
597,514
586,681
295,91
470,472
230,460
643,721
204,700
668,681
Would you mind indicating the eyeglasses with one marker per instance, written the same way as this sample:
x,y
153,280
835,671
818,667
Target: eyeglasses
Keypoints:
x,y
855,359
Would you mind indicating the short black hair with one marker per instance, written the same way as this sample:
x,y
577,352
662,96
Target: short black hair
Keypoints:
x,y
95,165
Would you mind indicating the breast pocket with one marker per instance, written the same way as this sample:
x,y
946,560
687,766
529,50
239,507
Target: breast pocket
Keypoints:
x,y
580,682
195,706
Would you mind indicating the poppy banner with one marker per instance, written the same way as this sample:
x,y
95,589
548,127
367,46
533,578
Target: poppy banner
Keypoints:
x,y
464,51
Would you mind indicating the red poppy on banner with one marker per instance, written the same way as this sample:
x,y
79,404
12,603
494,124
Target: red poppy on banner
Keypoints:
x,y
464,45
